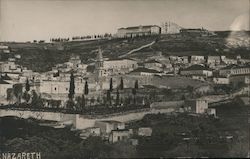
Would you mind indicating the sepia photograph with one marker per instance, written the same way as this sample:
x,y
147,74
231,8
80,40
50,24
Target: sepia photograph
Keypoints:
x,y
90,79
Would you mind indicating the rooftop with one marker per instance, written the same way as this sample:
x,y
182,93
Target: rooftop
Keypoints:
x,y
109,121
152,61
120,130
5,77
233,66
145,70
142,26
197,67
3,82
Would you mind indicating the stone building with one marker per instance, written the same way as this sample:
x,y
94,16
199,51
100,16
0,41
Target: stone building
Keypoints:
x,y
119,135
136,31
196,106
235,70
197,70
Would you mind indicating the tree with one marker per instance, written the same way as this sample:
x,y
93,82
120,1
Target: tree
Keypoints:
x,y
117,97
78,103
111,85
27,85
92,100
10,95
71,87
134,90
70,104
86,88
134,93
18,90
121,84
136,84
26,96
83,102
190,88
109,97
98,100
36,100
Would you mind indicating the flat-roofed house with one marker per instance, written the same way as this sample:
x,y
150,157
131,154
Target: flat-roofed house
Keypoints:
x,y
199,70
195,59
213,60
235,70
221,80
196,106
145,72
3,88
106,126
119,135
153,64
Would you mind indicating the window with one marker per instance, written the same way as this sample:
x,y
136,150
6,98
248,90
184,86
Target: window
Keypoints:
x,y
55,88
118,138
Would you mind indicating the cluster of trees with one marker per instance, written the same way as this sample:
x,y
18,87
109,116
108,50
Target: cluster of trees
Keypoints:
x,y
16,94
112,97
59,39
194,136
106,35
87,37
38,41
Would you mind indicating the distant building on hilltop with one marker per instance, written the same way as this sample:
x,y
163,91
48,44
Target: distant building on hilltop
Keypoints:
x,y
199,32
170,28
136,31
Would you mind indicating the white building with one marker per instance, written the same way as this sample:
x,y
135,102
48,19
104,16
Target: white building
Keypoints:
x,y
197,70
3,88
211,111
170,28
145,131
197,59
221,80
196,106
119,66
145,72
213,60
138,31
106,126
92,131
235,70
154,65
119,135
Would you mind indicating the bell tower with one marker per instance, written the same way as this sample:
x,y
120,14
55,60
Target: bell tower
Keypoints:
x,y
99,64
99,70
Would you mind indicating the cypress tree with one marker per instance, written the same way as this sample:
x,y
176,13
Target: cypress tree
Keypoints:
x,y
117,97
109,97
71,87
27,85
111,85
121,84
86,88
136,84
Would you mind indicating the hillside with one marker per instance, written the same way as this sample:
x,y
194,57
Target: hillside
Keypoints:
x,y
41,57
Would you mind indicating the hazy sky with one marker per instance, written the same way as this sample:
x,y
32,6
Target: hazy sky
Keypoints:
x,y
23,20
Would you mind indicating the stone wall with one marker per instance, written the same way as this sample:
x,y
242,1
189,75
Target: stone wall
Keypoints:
x,y
82,121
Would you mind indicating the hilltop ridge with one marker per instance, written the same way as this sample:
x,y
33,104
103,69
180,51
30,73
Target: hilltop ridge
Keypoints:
x,y
42,57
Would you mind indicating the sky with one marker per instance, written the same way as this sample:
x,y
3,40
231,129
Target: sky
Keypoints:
x,y
28,20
